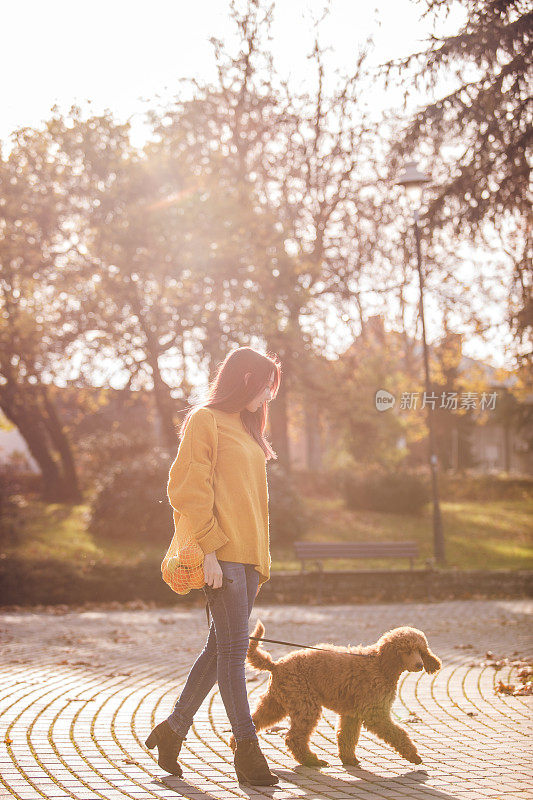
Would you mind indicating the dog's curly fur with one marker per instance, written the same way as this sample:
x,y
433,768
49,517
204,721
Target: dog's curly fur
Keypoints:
x,y
359,688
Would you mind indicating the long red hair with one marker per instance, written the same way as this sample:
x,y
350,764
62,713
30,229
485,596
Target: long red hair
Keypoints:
x,y
229,392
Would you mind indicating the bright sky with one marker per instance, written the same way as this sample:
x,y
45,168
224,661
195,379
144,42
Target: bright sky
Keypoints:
x,y
118,54
114,52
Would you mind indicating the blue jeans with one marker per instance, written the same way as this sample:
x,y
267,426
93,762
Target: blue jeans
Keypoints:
x,y
224,654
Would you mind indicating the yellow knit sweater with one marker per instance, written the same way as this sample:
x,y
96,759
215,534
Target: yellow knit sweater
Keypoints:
x,y
224,505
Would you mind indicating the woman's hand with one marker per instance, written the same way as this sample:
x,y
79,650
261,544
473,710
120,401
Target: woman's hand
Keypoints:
x,y
212,571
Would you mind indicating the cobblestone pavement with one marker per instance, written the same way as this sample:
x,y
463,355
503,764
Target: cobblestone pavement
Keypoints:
x,y
80,689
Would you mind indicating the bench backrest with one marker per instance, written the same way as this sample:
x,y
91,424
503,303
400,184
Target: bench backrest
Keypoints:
x,y
356,549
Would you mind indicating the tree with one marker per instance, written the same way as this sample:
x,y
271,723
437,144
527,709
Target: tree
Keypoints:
x,y
36,301
477,136
296,173
486,115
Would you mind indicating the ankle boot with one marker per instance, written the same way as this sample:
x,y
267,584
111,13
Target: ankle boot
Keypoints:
x,y
168,747
251,765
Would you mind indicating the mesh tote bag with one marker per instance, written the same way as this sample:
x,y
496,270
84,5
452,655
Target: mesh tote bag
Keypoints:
x,y
182,567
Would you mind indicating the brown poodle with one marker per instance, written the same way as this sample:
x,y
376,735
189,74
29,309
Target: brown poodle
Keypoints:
x,y
360,688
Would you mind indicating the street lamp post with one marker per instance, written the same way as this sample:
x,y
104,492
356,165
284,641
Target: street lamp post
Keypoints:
x,y
413,180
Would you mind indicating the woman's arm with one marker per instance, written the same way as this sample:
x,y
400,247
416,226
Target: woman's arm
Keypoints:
x,y
190,485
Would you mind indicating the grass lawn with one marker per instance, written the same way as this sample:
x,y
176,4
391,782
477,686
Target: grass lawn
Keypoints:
x,y
478,535
58,531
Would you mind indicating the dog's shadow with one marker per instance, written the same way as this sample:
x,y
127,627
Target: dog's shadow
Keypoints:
x,y
364,777
298,775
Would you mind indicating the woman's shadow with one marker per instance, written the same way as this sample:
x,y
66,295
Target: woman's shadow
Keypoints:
x,y
298,776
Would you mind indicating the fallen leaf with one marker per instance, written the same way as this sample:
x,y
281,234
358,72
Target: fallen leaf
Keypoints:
x,y
505,688
525,674
526,689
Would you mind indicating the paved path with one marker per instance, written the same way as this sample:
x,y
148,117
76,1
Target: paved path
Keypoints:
x,y
81,688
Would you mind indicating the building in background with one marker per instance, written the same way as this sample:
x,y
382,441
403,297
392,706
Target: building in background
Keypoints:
x,y
492,445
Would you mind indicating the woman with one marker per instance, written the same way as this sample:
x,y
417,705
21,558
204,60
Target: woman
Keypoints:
x,y
221,464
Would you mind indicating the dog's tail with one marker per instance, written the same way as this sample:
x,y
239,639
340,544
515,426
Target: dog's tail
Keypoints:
x,y
257,657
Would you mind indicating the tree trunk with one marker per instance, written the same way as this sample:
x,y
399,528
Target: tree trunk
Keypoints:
x,y
312,435
278,415
507,448
71,488
26,415
163,403
161,392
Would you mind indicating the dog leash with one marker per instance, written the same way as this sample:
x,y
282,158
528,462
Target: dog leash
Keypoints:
x,y
276,641
307,646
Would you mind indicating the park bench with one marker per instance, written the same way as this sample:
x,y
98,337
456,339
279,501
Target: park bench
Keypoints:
x,y
318,551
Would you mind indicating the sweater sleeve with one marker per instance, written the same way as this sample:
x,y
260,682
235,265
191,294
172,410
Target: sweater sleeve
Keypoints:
x,y
190,486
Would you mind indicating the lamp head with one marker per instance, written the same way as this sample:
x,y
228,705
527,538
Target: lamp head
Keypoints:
x,y
413,180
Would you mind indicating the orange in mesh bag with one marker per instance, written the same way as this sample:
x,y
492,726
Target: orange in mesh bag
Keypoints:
x,y
183,565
